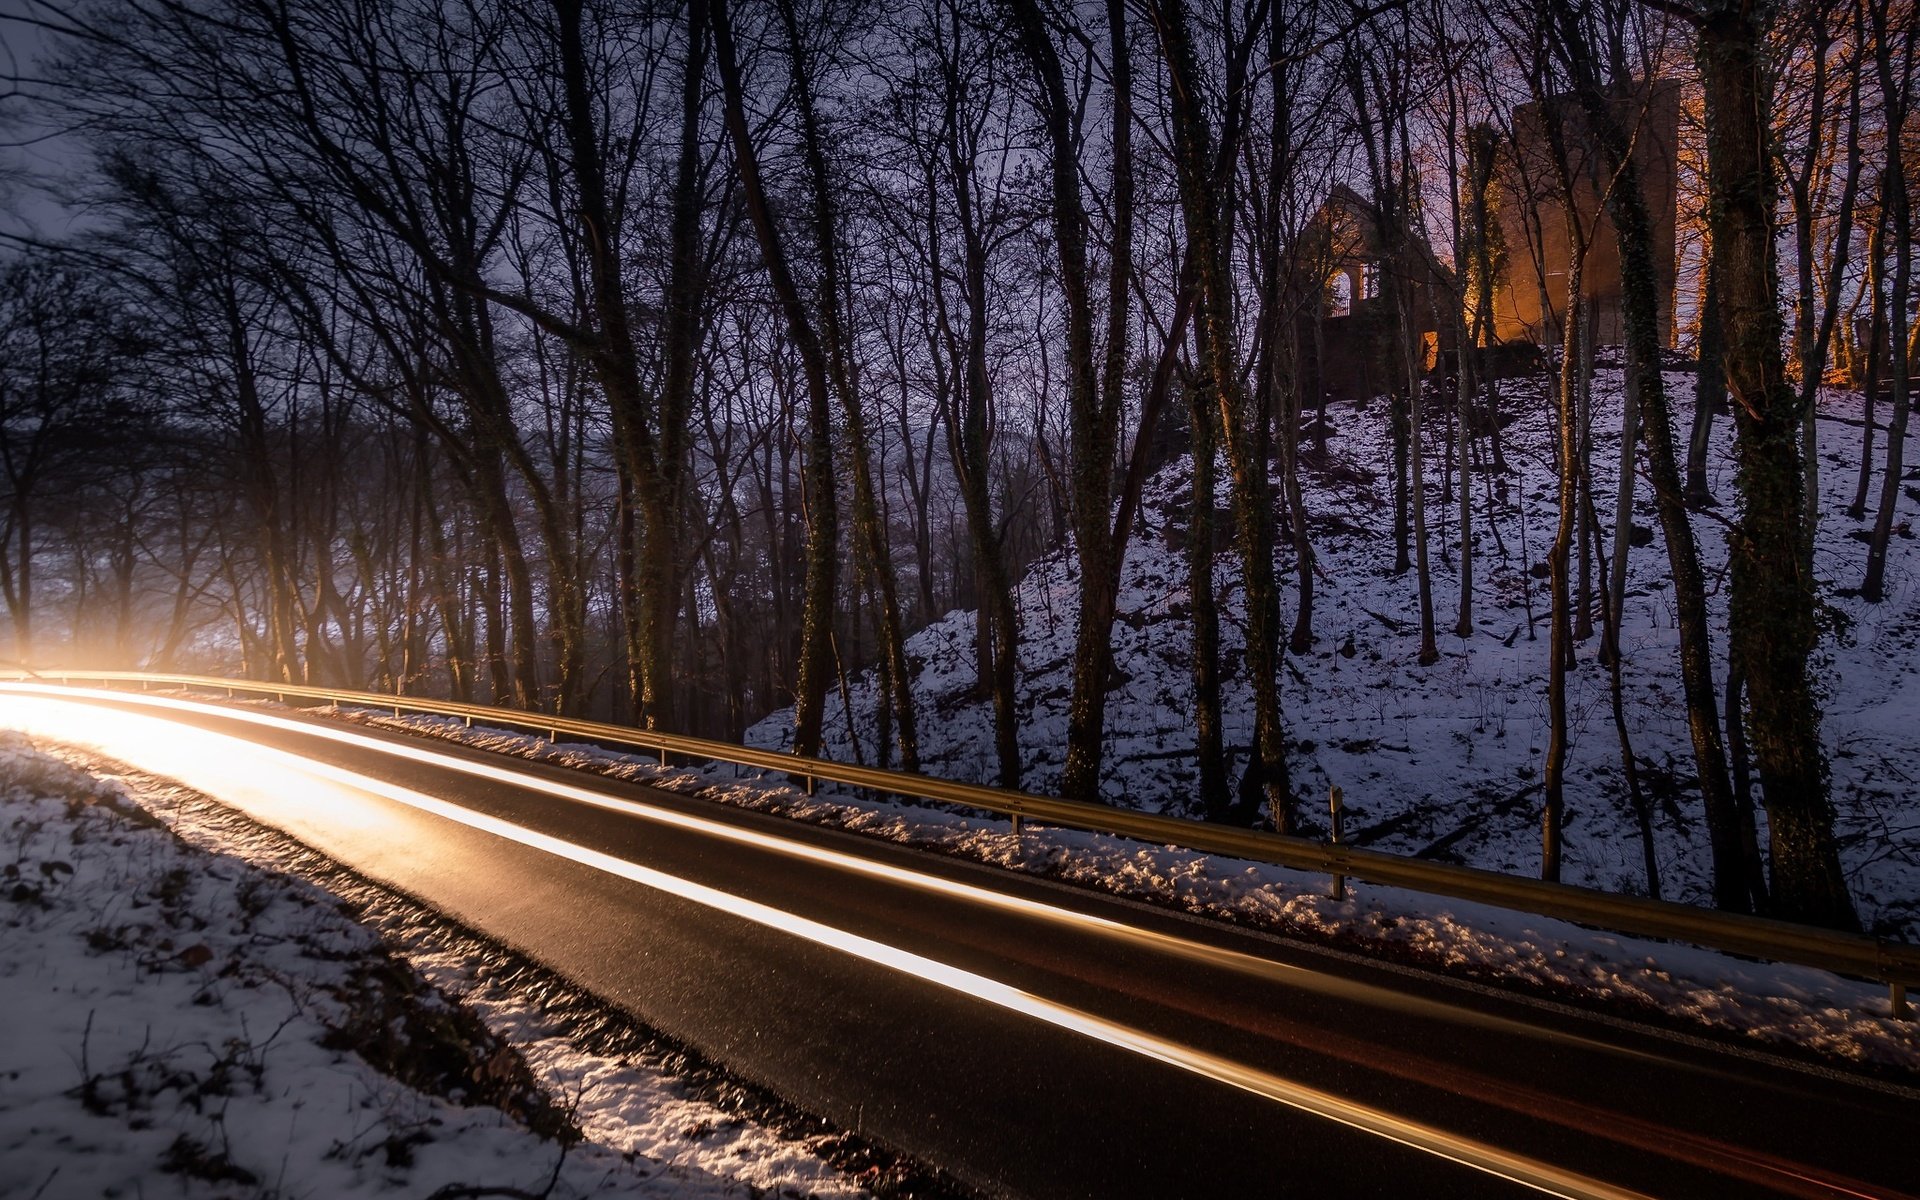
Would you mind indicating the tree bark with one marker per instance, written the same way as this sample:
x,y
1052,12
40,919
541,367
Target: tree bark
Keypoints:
x,y
816,665
1876,351
1895,67
1560,641
1209,751
868,526
1709,391
1772,598
1252,504
1092,402
1646,408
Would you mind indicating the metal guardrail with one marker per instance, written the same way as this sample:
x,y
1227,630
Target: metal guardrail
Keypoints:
x,y
1896,964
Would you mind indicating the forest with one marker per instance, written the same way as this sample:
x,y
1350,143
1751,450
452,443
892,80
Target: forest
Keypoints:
x,y
748,368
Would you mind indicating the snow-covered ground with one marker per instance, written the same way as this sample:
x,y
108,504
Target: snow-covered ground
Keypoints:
x,y
185,1015
1444,761
1794,1009
181,995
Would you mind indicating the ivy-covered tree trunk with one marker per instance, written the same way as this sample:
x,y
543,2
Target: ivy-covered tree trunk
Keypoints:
x,y
1772,602
1734,881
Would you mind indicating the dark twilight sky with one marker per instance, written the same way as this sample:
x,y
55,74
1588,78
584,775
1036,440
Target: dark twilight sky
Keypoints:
x,y
34,154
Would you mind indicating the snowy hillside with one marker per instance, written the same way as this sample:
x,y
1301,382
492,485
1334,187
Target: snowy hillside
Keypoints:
x,y
1444,761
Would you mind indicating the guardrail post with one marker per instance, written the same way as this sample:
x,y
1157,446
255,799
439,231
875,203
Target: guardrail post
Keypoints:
x,y
1335,807
1016,823
1902,1011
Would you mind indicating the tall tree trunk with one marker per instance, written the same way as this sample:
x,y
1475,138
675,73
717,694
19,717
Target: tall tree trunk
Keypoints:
x,y
263,495
1772,597
1301,639
1482,156
1648,417
1583,537
1253,509
1815,334
1896,70
500,448
490,609
652,459
1466,353
822,507
969,438
1615,586
998,644
512,637
1209,752
868,527
1400,216
662,491
1733,886
1429,652
1400,436
1876,350
1092,404
1559,566
1808,346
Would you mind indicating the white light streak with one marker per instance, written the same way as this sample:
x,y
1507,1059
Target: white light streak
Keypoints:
x,y
90,726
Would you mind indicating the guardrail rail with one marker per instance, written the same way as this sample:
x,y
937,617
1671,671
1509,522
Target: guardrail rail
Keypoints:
x,y
1893,963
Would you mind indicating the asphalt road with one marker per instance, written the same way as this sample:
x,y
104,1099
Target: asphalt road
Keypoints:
x,y
1030,1039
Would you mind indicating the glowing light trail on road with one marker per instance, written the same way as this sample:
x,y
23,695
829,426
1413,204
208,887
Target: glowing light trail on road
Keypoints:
x,y
214,762
1292,976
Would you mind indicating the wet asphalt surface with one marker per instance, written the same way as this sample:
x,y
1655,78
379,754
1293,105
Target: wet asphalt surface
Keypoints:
x,y
1012,1105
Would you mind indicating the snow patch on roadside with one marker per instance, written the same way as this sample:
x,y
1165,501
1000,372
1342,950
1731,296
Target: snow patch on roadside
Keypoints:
x,y
182,1022
1784,1007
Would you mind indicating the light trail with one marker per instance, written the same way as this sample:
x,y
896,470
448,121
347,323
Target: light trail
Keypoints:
x,y
1191,951
1516,1168
126,734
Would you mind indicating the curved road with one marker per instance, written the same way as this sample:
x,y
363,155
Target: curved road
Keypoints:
x,y
1030,1039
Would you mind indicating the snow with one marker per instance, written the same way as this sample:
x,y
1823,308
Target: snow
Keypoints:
x,y
1444,761
163,949
1794,1009
185,1018
1440,761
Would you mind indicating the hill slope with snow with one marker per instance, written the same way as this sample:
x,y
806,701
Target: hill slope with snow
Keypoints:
x,y
1444,761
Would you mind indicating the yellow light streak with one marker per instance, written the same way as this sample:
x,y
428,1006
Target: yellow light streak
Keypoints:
x,y
1192,951
92,727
